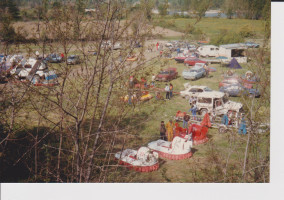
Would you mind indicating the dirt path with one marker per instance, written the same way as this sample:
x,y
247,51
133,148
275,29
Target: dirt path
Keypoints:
x,y
166,32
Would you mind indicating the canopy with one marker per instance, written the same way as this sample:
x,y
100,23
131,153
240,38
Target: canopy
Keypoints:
x,y
234,64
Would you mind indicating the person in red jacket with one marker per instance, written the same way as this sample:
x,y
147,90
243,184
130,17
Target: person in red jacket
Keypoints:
x,y
62,56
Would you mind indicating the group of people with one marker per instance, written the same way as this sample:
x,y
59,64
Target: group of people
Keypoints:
x,y
242,127
167,131
169,91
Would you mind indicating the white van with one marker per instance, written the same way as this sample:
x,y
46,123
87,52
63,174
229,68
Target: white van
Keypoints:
x,y
208,51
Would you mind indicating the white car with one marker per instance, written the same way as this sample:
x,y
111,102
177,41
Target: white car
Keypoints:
x,y
217,101
194,91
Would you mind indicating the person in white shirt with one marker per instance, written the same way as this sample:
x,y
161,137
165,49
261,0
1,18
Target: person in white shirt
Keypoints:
x,y
153,80
167,89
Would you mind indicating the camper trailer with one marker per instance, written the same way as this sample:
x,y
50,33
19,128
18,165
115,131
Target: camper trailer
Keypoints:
x,y
236,51
208,51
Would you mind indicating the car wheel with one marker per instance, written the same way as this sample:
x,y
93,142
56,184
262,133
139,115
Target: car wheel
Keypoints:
x,y
203,112
222,129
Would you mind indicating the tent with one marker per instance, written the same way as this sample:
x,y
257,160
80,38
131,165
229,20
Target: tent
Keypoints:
x,y
234,64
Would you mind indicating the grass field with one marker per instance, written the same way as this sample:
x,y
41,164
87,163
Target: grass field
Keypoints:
x,y
212,26
197,168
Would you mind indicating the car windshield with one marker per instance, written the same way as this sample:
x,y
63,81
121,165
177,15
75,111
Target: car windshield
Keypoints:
x,y
164,72
207,90
71,57
193,70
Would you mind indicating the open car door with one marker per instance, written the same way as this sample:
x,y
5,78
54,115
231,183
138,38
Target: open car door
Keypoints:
x,y
219,107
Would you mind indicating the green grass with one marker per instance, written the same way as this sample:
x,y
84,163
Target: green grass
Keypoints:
x,y
212,26
155,111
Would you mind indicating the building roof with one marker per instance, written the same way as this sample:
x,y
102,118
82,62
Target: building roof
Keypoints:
x,y
208,46
234,46
213,94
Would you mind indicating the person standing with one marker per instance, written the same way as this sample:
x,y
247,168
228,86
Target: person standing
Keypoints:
x,y
213,116
191,99
153,80
186,118
130,91
225,119
170,130
62,56
163,131
171,90
157,45
193,110
37,54
243,129
167,89
206,70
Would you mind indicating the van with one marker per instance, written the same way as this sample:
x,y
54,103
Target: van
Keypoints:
x,y
217,101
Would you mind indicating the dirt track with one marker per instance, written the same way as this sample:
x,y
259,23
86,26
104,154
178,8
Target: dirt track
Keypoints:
x,y
166,32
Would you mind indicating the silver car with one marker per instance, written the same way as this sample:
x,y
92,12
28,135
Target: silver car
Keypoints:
x,y
194,73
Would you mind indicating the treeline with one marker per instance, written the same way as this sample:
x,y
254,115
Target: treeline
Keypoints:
x,y
248,9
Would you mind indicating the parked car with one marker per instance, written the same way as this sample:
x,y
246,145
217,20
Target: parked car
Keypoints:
x,y
229,81
194,73
251,45
238,90
180,58
167,74
194,91
191,61
191,47
73,60
53,58
217,101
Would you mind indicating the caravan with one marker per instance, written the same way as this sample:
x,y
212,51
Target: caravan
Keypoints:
x,y
208,51
236,51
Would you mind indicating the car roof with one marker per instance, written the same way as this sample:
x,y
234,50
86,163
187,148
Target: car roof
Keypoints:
x,y
213,94
198,86
196,68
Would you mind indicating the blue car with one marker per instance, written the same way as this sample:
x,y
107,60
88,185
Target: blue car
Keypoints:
x,y
251,45
194,73
53,58
236,90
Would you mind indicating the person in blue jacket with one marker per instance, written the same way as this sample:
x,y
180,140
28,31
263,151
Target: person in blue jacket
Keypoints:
x,y
243,129
225,119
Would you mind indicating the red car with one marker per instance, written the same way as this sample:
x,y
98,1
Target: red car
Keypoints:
x,y
180,59
193,61
167,74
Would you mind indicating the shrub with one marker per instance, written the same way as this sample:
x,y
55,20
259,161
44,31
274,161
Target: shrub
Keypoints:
x,y
246,32
226,37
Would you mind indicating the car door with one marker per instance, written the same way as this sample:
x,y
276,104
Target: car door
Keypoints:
x,y
219,107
